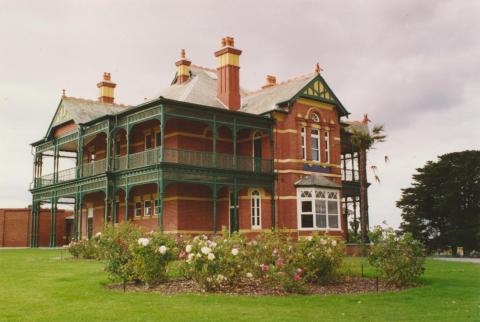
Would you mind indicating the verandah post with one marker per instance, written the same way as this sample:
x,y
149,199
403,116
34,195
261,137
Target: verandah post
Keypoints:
x,y
214,200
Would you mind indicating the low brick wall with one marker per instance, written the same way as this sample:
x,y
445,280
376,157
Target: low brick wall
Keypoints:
x,y
15,225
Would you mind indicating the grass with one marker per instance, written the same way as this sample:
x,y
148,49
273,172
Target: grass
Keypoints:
x,y
36,285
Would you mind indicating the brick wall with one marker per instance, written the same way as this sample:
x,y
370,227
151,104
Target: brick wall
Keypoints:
x,y
15,225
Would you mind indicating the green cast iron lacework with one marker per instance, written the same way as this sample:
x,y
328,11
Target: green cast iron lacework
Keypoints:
x,y
96,128
47,146
68,191
68,138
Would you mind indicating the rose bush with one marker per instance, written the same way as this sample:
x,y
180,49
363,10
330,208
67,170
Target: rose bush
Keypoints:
x,y
398,258
214,262
86,249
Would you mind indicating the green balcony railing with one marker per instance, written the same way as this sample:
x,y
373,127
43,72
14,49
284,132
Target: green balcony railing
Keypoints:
x,y
153,156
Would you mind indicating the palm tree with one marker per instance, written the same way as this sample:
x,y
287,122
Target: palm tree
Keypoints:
x,y
364,141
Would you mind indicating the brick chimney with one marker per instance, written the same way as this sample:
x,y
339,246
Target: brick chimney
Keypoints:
x,y
271,81
183,68
107,89
228,71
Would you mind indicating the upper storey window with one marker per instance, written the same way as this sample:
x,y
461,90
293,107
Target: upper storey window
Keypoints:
x,y
304,144
315,136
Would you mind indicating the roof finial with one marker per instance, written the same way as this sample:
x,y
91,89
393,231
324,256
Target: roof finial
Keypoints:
x,y
365,119
63,93
318,69
182,53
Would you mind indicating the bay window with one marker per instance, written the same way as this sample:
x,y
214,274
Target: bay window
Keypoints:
x,y
318,208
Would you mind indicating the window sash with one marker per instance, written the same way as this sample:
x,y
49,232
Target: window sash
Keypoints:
x,y
327,146
255,209
315,139
147,208
138,209
318,209
304,144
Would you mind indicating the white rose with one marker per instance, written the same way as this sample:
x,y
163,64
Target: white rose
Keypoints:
x,y
334,242
190,257
211,256
309,238
198,255
143,242
188,249
249,275
205,250
235,251
98,234
213,244
163,249
323,241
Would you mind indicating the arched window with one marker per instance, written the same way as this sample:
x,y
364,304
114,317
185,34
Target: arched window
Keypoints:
x,y
315,117
256,209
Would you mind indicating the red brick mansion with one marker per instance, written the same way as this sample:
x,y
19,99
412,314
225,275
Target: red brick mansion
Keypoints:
x,y
201,155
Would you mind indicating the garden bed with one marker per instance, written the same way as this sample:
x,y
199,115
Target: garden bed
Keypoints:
x,y
256,287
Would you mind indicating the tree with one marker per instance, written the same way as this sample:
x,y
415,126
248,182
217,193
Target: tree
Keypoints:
x,y
365,141
442,207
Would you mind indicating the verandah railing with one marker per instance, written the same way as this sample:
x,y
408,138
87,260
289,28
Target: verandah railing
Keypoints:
x,y
152,156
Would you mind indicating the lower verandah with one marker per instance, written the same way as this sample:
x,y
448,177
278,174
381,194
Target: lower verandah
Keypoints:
x,y
187,209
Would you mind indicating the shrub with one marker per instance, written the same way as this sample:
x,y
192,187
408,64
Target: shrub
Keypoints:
x,y
398,258
86,249
320,258
151,256
214,262
273,258
133,255
115,247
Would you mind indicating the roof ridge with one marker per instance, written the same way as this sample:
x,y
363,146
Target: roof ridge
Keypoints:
x,y
204,68
94,101
281,83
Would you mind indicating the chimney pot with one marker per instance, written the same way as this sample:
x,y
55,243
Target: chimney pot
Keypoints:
x,y
107,89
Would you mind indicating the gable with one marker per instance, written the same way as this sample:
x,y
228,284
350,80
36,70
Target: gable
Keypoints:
x,y
317,89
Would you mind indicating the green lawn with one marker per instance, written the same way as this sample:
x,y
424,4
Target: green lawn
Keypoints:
x,y
35,285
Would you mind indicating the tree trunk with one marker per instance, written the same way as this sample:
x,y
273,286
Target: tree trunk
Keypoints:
x,y
362,171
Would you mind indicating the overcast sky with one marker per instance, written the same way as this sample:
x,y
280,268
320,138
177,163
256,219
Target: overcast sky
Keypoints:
x,y
413,66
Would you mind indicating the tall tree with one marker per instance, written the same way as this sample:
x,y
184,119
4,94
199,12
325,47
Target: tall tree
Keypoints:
x,y
442,207
365,141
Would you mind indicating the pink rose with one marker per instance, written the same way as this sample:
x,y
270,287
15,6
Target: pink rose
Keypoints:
x,y
182,255
297,277
264,268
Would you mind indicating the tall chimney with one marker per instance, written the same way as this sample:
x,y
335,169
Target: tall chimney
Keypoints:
x,y
107,89
228,70
183,68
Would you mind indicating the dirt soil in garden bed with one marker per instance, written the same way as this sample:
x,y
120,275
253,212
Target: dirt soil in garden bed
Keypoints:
x,y
348,285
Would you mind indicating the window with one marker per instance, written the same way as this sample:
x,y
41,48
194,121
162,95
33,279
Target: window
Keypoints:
x,y
157,207
304,144
117,146
256,209
315,117
148,141
327,146
91,156
315,137
147,208
138,209
158,139
318,209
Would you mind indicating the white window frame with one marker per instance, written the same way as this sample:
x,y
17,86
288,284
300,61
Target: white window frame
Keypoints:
x,y
314,200
147,211
303,148
256,209
327,146
315,117
315,137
